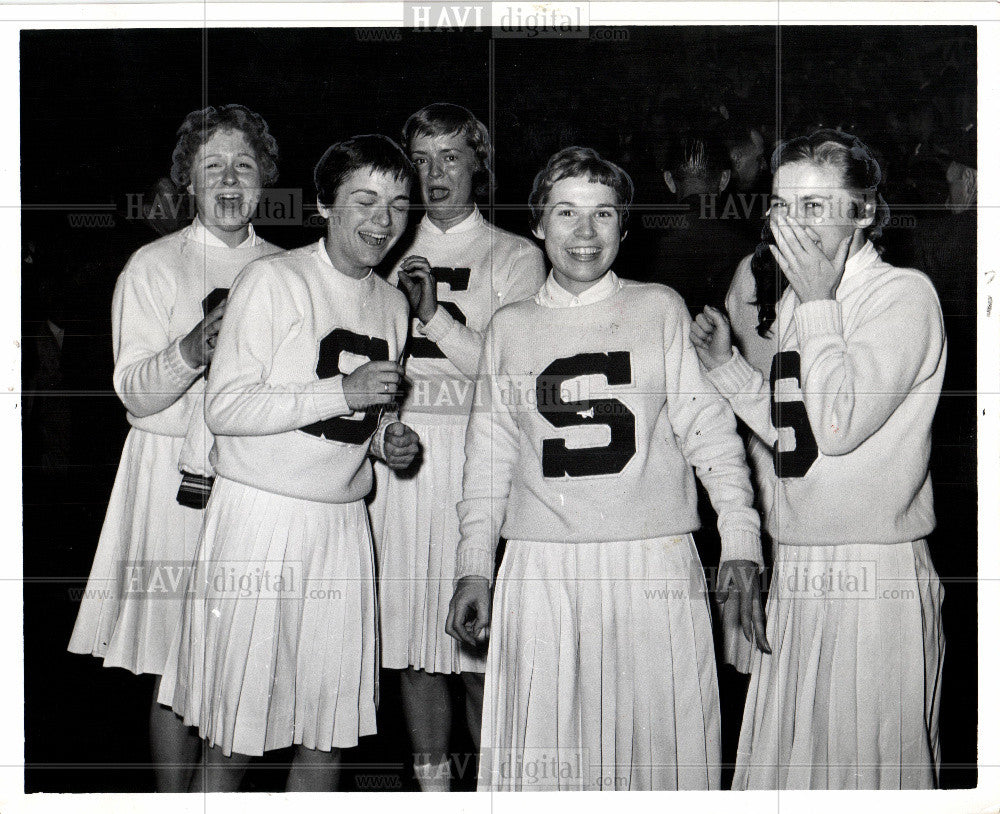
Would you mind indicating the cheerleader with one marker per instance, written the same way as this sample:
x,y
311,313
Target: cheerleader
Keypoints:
x,y
849,697
167,309
591,410
458,271
278,642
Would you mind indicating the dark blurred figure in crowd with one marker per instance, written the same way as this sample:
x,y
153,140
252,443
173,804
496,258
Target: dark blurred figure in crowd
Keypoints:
x,y
697,245
748,158
922,125
744,202
47,413
945,249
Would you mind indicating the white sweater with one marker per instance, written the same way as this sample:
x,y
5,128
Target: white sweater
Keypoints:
x,y
157,301
294,327
479,268
627,412
856,384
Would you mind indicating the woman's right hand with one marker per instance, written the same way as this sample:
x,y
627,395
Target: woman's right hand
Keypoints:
x,y
198,347
469,611
373,383
712,337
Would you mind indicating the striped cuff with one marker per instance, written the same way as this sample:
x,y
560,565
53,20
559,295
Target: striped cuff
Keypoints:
x,y
438,326
818,317
742,544
182,373
732,377
328,398
473,561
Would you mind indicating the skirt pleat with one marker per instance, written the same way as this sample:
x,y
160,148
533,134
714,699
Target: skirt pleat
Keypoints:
x,y
278,642
415,524
601,669
849,697
135,592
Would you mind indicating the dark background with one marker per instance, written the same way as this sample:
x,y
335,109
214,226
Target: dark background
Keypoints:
x,y
99,112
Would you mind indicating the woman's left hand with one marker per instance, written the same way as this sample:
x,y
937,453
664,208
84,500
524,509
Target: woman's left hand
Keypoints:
x,y
810,273
401,445
418,281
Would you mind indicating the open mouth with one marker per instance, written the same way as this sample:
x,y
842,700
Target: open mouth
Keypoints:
x,y
438,194
584,253
229,202
374,239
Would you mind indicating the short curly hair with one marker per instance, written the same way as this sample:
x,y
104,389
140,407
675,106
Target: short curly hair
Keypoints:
x,y
200,125
577,162
446,119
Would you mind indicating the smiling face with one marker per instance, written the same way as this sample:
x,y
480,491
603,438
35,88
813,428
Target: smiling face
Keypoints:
x,y
446,166
581,228
816,197
367,217
225,183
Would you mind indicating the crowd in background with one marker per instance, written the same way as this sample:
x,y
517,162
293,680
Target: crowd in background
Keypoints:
x,y
922,125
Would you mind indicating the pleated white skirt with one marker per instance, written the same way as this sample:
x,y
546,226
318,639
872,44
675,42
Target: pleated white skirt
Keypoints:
x,y
415,523
849,697
601,670
278,642
135,592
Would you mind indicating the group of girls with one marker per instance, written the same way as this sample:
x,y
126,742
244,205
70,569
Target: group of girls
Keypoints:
x,y
565,410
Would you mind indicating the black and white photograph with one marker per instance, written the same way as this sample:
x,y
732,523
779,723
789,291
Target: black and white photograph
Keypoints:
x,y
444,397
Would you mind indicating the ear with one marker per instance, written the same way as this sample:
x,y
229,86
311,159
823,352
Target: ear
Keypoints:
x,y
190,189
539,231
724,180
969,181
866,217
624,235
326,212
668,179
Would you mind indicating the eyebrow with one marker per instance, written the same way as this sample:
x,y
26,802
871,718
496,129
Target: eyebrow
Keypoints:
x,y
596,206
442,150
363,191
217,155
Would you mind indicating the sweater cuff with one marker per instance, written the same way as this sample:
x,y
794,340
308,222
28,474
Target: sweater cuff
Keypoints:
x,y
329,400
473,561
179,369
438,326
377,447
733,376
818,317
742,544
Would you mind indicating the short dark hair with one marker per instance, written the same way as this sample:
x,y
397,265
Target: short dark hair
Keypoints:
x,y
576,162
446,119
375,152
200,125
701,156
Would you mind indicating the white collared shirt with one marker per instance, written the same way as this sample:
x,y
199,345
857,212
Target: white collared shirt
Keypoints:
x,y
200,234
466,224
324,255
553,295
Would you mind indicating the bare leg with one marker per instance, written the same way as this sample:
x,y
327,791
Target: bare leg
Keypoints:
x,y
173,745
474,704
217,772
313,770
427,708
